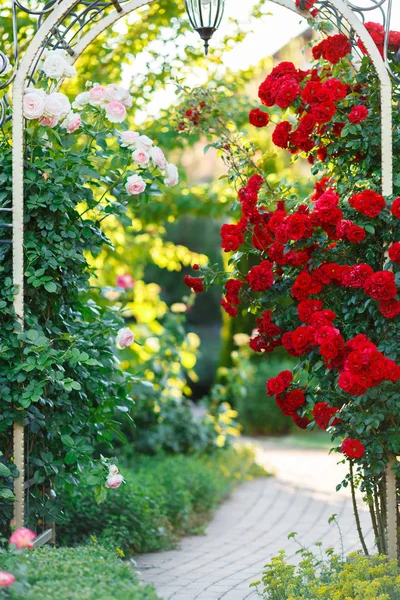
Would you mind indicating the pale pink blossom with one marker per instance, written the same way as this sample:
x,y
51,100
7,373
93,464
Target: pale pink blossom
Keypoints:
x,y
97,95
22,538
114,481
135,185
125,338
33,105
172,175
141,158
144,143
158,158
126,281
112,470
117,93
115,112
128,139
49,121
72,122
56,105
6,579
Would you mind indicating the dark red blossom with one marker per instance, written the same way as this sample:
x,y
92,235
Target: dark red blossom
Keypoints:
x,y
352,448
355,234
390,308
280,383
356,276
258,118
306,309
281,134
323,414
233,287
358,114
232,237
260,277
230,310
289,403
368,202
332,48
395,208
394,252
194,283
323,112
381,286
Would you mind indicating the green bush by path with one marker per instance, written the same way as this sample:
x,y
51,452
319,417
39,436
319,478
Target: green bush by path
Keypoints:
x,y
82,573
358,578
163,498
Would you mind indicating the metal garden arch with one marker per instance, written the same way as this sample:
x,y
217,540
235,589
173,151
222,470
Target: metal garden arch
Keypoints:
x,y
73,25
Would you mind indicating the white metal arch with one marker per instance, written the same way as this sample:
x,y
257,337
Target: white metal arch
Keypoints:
x,y
61,10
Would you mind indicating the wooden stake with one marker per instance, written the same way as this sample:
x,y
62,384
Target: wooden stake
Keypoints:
x,y
391,506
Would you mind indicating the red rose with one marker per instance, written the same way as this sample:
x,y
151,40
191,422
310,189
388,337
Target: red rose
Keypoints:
x,y
381,286
258,118
260,278
352,448
323,112
355,234
230,310
337,88
351,384
394,252
368,202
196,267
280,136
395,208
306,309
336,47
358,114
337,129
302,339
322,318
301,422
298,227
279,384
390,308
194,283
290,402
288,91
377,32
357,275
315,93
323,413
232,237
233,287
255,182
319,50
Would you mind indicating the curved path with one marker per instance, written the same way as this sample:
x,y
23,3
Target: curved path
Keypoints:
x,y
254,524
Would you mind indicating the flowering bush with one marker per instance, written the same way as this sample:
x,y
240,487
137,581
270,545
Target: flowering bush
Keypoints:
x,y
61,375
325,281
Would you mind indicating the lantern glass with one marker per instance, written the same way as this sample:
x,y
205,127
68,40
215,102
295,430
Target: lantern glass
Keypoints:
x,y
205,17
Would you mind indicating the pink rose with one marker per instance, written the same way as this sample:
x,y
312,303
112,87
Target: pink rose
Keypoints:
x,y
172,177
72,122
135,185
144,143
33,105
22,538
49,121
158,158
125,338
126,281
114,481
115,112
141,158
97,95
6,579
128,139
117,93
56,105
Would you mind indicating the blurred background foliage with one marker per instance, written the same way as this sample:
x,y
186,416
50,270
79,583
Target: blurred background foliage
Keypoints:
x,y
187,348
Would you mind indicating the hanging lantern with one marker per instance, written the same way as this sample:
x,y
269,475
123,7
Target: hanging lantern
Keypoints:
x,y
205,17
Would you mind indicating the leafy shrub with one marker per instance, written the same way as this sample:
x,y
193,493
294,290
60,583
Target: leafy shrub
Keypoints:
x,y
82,573
163,498
357,578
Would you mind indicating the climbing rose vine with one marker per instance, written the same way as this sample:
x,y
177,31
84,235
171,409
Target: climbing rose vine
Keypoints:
x,y
325,279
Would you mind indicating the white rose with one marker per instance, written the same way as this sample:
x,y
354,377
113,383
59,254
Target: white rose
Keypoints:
x,y
33,105
172,177
125,338
81,100
69,71
128,139
114,481
141,158
114,93
158,158
135,185
144,143
115,112
54,65
57,105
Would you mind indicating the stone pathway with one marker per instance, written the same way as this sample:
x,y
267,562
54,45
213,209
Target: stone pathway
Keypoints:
x,y
254,524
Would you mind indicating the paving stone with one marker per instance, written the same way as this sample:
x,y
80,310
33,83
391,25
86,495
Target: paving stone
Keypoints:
x,y
254,524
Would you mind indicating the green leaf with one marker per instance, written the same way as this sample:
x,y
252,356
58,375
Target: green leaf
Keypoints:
x,y
4,471
50,286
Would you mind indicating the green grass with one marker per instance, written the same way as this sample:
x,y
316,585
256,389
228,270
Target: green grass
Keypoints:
x,y
83,573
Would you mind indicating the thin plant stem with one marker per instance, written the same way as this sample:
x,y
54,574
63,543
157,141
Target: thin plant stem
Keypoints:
x,y
355,510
